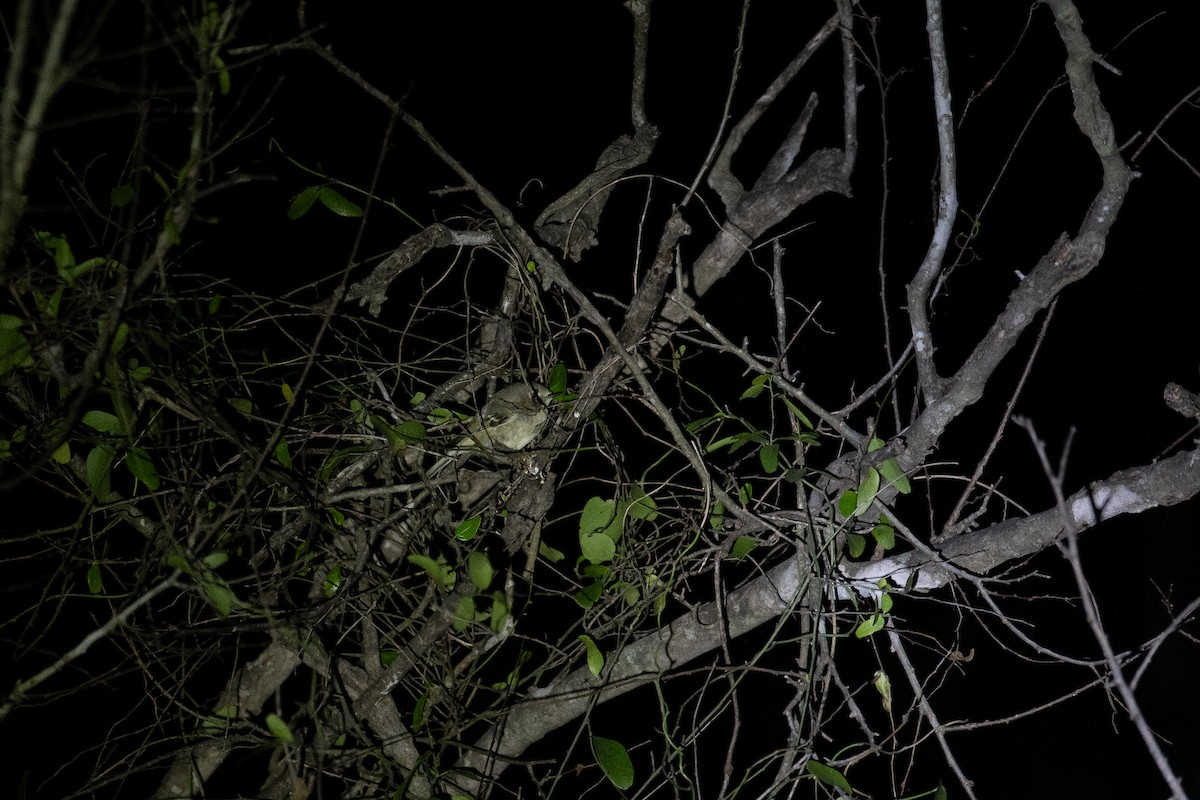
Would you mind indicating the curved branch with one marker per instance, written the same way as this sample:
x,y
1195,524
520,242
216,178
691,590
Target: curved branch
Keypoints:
x,y
947,207
1067,261
781,590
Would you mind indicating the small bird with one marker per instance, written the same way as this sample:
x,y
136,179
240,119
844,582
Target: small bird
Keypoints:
x,y
510,421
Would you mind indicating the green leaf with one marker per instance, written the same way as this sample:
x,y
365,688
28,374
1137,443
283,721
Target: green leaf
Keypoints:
x,y
847,503
242,405
219,720
169,229
464,614
334,200
558,379
220,596
828,775
549,553
870,625
71,273
500,611
95,580
282,454
756,387
120,196
588,595
716,519
597,547
867,489
467,529
599,530
178,561
103,421
768,456
333,580
742,546
598,515
677,358
418,715
14,347
222,74
941,793
437,571
737,441
119,338
631,593
641,505
10,323
883,685
885,535
479,570
279,728
798,414
58,247
63,454
890,469
613,758
595,659
289,396
408,432
99,470
302,202
412,431
215,559
138,462
856,545
895,476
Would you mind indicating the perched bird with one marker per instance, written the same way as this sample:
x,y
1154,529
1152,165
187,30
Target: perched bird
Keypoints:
x,y
513,418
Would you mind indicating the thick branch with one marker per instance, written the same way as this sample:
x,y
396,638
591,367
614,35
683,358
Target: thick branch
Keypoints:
x,y
947,206
1067,261
779,591
783,186
17,148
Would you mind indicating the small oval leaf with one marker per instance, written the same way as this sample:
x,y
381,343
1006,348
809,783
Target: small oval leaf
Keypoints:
x,y
138,462
334,200
94,580
220,597
595,659
479,570
102,421
742,546
302,202
613,758
870,625
828,775
768,456
867,491
99,470
467,529
279,728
